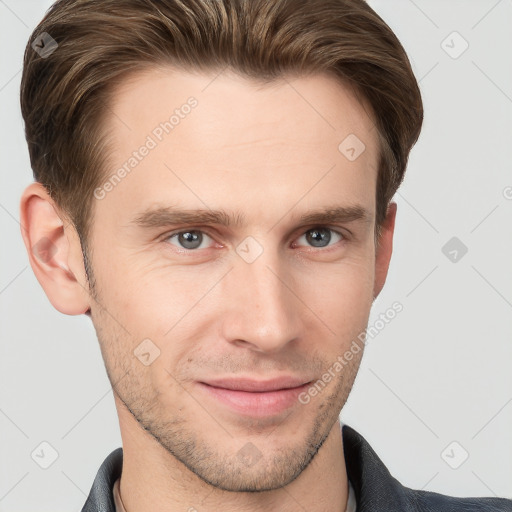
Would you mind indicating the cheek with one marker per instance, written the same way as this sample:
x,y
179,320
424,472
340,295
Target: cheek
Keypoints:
x,y
148,302
154,309
341,295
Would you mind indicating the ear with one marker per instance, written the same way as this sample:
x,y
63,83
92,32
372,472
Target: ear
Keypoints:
x,y
54,251
384,249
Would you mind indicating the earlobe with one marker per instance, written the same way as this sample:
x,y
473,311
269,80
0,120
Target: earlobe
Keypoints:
x,y
384,249
54,251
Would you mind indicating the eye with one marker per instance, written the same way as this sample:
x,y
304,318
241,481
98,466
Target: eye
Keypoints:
x,y
321,236
193,239
190,240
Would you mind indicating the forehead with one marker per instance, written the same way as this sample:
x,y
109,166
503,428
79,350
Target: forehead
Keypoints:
x,y
206,134
323,101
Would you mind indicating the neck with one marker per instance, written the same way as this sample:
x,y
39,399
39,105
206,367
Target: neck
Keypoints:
x,y
153,479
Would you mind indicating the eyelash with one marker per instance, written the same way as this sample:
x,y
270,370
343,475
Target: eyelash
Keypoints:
x,y
175,234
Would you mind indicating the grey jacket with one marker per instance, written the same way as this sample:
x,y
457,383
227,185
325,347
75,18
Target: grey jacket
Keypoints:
x,y
375,489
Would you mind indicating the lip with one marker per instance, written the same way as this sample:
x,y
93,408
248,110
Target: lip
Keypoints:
x,y
256,398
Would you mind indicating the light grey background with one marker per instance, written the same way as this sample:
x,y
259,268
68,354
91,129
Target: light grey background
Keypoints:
x,y
439,372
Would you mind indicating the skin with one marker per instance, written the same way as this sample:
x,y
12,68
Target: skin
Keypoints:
x,y
271,154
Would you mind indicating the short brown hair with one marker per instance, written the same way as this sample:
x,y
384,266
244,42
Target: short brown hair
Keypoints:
x,y
65,96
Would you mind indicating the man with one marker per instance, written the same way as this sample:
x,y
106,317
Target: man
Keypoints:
x,y
213,188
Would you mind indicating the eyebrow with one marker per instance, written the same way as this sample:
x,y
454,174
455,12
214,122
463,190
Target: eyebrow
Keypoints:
x,y
162,216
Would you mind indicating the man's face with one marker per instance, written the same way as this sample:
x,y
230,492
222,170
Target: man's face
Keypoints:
x,y
199,319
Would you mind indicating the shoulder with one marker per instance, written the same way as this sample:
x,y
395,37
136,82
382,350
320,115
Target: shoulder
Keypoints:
x,y
376,490
431,501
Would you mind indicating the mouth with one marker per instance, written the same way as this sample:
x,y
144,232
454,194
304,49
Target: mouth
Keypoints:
x,y
255,398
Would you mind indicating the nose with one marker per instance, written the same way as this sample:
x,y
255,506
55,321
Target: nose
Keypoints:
x,y
264,312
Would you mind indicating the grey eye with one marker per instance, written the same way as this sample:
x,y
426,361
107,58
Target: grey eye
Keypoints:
x,y
192,239
320,237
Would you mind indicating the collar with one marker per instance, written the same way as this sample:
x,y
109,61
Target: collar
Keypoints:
x,y
373,485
